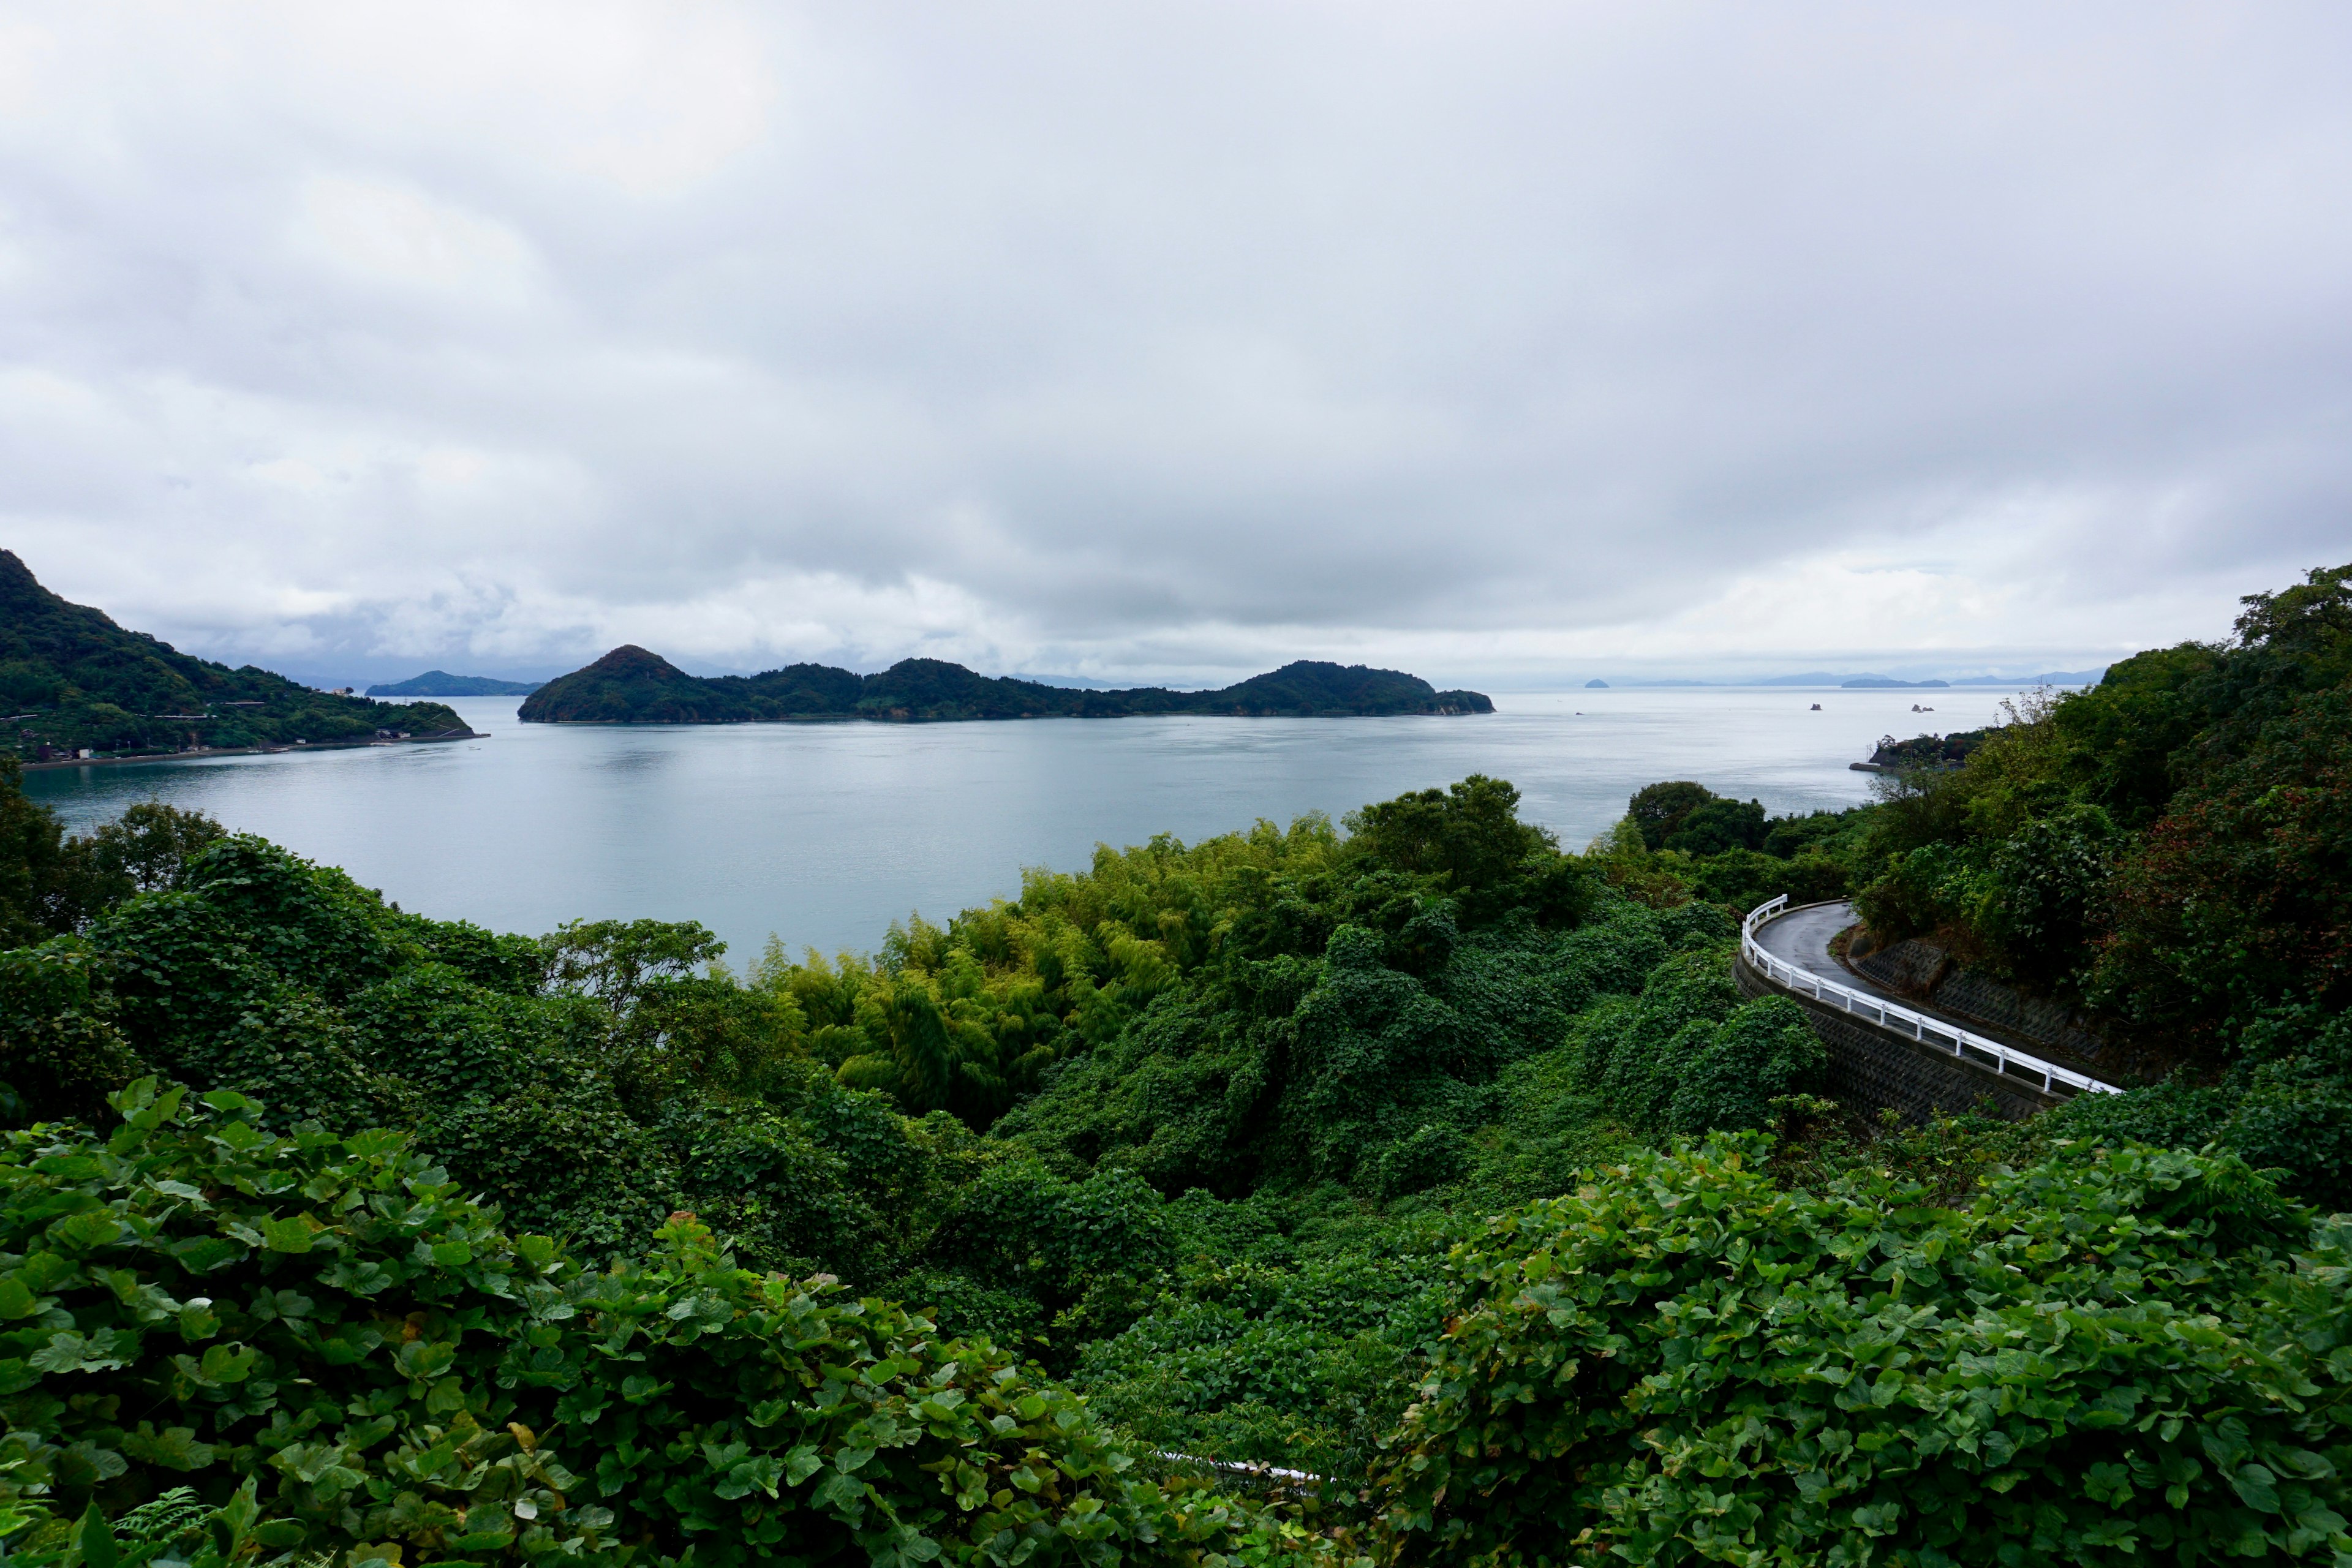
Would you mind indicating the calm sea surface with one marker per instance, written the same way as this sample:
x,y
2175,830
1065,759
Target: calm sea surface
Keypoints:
x,y
823,834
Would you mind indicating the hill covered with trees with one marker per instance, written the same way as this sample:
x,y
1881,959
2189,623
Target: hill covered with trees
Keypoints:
x,y
72,679
441,683
631,686
1412,1152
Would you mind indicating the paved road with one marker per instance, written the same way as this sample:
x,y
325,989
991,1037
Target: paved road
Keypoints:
x,y
1803,940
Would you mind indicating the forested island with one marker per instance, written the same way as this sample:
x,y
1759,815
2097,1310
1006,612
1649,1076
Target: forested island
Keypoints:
x,y
631,686
75,682
1416,1152
441,683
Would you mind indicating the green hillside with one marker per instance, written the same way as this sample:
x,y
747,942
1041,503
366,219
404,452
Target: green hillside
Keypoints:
x,y
72,679
631,686
1412,1153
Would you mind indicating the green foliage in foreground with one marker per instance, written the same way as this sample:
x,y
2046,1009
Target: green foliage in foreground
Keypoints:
x,y
2114,1356
328,1328
1253,1359
1203,1132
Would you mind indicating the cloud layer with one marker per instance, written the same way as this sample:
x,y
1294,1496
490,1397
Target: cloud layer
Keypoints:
x,y
1169,340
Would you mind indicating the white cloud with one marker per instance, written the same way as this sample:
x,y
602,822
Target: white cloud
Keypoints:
x,y
1172,339
398,235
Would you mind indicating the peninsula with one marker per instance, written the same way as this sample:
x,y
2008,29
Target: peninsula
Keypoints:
x,y
79,688
631,686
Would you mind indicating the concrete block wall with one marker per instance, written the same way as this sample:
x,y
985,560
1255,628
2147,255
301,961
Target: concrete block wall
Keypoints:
x,y
1873,1067
1924,970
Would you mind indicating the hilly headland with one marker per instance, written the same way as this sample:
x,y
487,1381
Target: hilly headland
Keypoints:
x,y
632,686
77,686
441,683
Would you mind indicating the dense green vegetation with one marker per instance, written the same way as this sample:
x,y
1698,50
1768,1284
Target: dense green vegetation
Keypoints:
x,y
441,683
1927,751
1411,1152
629,685
2110,1357
74,680
2173,850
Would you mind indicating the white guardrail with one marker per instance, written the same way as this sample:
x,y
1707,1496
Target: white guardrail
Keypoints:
x,y
1992,1053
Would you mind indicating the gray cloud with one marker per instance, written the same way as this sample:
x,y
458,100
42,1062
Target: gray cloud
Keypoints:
x,y
1168,339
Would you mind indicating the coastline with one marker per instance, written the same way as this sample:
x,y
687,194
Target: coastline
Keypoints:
x,y
903,718
210,752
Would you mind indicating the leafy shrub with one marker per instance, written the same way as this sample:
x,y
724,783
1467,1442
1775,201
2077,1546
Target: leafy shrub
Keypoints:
x,y
2114,1354
1085,1251
2043,895
2242,892
1431,1155
1743,878
324,1333
1308,1366
2285,1107
60,1052
1764,1051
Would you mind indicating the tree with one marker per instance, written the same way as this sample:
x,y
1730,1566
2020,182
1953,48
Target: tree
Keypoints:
x,y
31,846
1468,833
1656,810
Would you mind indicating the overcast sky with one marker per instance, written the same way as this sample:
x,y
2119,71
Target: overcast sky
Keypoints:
x,y
1497,342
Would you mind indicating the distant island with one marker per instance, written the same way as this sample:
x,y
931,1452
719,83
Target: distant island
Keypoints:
x,y
1883,682
78,687
441,683
631,686
1596,684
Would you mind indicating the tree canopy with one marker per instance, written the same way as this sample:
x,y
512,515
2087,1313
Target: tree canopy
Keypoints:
x,y
73,680
630,685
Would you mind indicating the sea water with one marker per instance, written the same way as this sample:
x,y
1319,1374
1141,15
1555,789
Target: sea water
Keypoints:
x,y
822,835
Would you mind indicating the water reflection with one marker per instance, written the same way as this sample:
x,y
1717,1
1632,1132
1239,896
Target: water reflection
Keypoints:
x,y
825,833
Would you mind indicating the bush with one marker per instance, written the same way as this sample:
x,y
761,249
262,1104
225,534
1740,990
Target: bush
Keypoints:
x,y
325,1334
1308,1367
1743,878
1764,1051
60,1052
2242,894
2115,1355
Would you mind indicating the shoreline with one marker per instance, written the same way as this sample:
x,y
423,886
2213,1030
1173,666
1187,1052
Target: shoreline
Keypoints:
x,y
210,752
981,719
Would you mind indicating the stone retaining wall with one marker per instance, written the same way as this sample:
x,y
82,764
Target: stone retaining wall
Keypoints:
x,y
1926,973
1873,1067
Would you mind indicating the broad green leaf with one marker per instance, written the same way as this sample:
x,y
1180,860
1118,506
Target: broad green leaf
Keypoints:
x,y
94,1540
227,1364
292,1234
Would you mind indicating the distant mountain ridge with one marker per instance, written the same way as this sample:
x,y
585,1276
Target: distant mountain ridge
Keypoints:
x,y
1824,678
633,686
441,683
75,681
